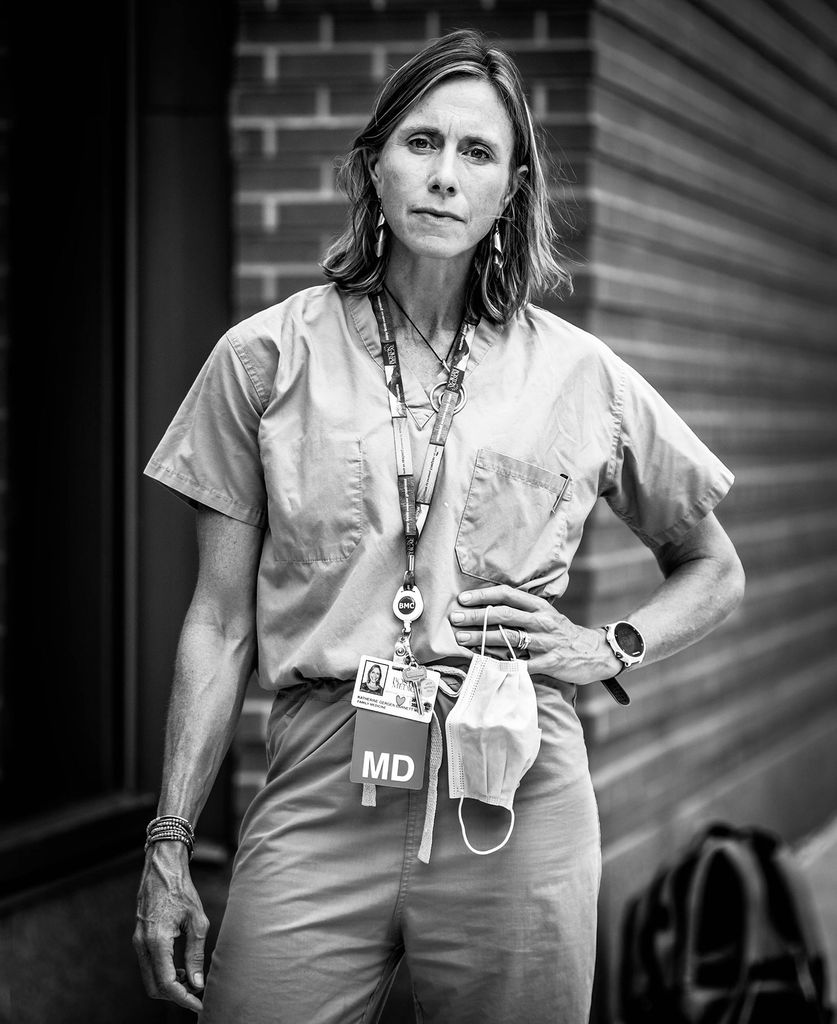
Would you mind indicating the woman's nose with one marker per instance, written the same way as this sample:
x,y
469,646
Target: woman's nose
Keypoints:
x,y
443,177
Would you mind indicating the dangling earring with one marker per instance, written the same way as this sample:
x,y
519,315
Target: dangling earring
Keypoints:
x,y
497,245
379,231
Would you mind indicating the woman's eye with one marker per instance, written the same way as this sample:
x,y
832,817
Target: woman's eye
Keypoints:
x,y
420,142
479,154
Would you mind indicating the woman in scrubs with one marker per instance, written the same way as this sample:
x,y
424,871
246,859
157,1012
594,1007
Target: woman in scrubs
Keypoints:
x,y
398,465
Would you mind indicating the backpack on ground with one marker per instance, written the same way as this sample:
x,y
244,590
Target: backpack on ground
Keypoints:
x,y
727,935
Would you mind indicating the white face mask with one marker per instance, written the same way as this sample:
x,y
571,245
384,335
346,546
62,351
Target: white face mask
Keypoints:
x,y
492,734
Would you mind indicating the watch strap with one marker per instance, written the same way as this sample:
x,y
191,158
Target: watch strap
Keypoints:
x,y
617,691
614,688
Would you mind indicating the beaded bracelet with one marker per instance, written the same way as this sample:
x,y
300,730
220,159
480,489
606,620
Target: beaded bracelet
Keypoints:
x,y
169,831
161,837
170,819
180,838
170,828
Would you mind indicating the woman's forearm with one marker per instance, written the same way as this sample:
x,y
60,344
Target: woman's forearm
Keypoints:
x,y
687,606
704,583
214,662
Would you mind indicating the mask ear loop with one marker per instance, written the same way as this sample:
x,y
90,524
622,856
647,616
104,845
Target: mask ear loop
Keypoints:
x,y
484,629
502,634
505,637
494,849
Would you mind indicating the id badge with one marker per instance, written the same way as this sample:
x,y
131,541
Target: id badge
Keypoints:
x,y
388,751
382,686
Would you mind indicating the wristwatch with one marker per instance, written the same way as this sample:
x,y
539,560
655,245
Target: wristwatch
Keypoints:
x,y
628,645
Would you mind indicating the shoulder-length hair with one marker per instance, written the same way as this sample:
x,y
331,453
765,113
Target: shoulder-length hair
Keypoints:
x,y
527,233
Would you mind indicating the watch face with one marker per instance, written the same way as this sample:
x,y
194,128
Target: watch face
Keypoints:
x,y
629,639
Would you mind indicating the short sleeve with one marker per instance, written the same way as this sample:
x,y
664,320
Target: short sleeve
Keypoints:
x,y
662,479
210,453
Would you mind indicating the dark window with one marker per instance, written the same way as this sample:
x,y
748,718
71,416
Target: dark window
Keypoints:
x,y
117,180
62,714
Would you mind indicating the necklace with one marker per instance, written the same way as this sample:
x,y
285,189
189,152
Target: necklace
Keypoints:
x,y
444,361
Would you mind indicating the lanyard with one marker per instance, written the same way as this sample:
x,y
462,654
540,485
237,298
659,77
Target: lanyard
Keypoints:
x,y
414,499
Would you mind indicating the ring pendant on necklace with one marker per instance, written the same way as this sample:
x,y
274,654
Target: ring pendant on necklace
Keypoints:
x,y
437,404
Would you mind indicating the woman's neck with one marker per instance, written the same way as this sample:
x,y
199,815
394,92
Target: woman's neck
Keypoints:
x,y
431,291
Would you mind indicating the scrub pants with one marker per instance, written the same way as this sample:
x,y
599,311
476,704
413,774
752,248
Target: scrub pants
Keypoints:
x,y
327,896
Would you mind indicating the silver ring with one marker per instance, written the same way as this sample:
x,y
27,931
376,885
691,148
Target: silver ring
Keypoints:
x,y
437,404
523,640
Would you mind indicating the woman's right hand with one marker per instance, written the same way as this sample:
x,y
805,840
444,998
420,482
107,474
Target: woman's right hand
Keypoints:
x,y
168,905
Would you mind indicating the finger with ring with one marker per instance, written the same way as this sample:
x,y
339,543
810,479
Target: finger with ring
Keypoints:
x,y
518,639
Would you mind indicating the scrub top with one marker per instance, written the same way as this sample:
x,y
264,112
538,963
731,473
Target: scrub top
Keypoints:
x,y
287,428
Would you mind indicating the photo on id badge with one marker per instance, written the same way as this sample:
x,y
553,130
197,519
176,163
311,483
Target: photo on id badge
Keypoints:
x,y
373,676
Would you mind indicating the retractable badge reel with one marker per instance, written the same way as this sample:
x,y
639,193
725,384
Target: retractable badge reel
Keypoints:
x,y
407,606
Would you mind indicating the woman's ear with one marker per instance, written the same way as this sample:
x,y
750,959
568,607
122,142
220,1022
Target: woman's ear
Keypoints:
x,y
515,181
373,161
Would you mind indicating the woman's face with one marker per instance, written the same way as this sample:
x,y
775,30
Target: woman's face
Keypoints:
x,y
374,676
444,174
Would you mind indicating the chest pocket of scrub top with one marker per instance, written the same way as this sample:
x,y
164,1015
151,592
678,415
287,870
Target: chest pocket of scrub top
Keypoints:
x,y
315,498
514,524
